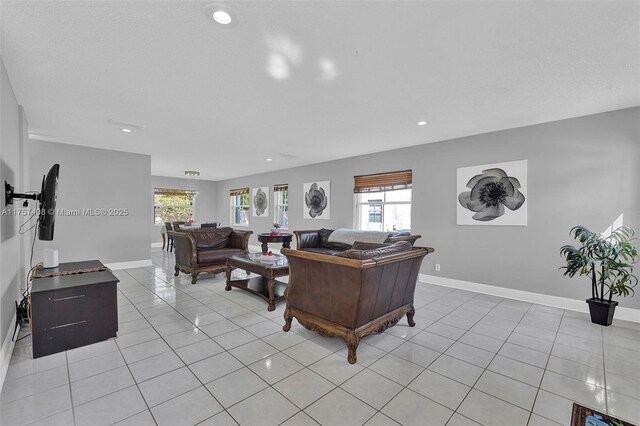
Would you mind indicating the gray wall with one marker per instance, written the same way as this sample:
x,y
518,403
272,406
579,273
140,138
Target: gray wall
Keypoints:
x,y
580,171
93,178
12,123
204,209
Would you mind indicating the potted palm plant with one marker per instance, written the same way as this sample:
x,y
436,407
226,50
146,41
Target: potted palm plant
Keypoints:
x,y
608,261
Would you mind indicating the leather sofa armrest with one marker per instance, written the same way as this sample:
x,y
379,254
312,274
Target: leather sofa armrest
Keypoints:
x,y
428,249
240,240
307,239
185,248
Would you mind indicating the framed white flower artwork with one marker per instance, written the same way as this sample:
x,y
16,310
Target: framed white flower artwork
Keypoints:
x,y
492,194
260,202
316,202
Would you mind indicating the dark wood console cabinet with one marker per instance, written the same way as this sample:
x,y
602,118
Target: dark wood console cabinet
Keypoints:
x,y
70,311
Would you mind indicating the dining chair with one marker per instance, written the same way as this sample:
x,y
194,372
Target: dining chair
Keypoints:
x,y
168,227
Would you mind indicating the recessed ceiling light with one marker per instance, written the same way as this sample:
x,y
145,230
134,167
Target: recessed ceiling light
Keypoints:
x,y
191,173
221,14
222,17
269,159
421,123
125,126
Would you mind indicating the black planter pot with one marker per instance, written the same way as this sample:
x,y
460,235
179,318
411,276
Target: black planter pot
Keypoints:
x,y
601,312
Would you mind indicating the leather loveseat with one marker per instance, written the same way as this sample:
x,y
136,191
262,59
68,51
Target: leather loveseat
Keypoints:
x,y
323,241
207,249
354,293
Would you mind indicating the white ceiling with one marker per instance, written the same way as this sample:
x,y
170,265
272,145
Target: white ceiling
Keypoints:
x,y
310,81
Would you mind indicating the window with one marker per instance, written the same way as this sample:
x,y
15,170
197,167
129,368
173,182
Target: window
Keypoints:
x,y
239,202
172,205
383,201
281,205
375,212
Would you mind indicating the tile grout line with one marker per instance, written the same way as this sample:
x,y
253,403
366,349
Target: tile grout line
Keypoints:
x,y
173,350
73,410
129,369
489,363
423,368
573,378
544,371
487,367
307,368
604,372
268,384
224,350
363,369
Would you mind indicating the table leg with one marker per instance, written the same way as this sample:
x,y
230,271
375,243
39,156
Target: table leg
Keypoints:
x,y
271,286
163,240
265,247
228,287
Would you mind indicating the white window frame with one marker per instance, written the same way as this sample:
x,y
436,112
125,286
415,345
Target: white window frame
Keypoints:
x,y
276,208
232,210
359,205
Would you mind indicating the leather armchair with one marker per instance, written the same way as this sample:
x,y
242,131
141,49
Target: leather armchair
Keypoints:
x,y
354,293
207,250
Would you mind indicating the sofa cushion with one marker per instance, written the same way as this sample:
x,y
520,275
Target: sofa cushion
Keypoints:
x,y
326,243
206,256
395,248
359,245
322,250
212,238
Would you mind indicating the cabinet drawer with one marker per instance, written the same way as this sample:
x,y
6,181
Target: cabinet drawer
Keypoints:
x,y
64,307
69,318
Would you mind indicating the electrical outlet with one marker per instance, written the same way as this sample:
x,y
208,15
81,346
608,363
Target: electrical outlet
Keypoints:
x,y
437,267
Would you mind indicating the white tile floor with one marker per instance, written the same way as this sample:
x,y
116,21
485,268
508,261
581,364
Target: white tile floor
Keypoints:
x,y
195,354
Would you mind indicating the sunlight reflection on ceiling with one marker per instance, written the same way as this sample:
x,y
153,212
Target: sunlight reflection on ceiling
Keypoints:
x,y
284,54
328,69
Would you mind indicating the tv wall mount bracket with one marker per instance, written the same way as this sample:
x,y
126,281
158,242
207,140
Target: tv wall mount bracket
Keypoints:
x,y
9,195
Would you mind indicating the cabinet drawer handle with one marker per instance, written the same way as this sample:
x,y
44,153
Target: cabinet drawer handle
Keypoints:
x,y
68,325
67,298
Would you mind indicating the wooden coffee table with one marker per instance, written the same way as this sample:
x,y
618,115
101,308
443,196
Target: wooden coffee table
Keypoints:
x,y
266,285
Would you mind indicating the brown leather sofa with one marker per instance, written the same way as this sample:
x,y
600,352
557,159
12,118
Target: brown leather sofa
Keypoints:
x,y
354,293
207,249
317,241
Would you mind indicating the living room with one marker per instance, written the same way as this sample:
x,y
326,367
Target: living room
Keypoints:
x,y
127,97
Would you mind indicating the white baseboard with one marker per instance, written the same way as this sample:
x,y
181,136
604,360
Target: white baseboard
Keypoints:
x,y
258,249
156,245
626,314
127,265
6,351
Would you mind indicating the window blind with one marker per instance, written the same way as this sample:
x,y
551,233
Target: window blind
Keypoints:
x,y
169,191
391,181
281,187
239,191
